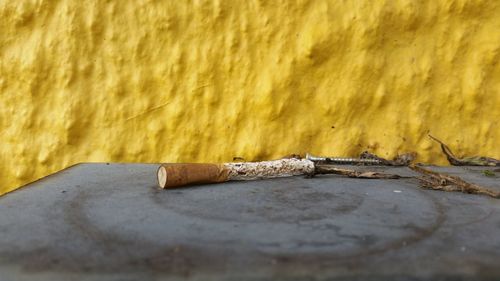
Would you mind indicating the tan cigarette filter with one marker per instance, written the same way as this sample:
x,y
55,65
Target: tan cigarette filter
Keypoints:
x,y
177,175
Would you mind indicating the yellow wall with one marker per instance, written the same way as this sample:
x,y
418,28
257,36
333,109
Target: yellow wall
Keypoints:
x,y
150,81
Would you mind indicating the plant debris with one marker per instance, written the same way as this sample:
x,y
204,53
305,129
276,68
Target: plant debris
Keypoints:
x,y
292,156
400,160
328,169
444,182
488,173
466,161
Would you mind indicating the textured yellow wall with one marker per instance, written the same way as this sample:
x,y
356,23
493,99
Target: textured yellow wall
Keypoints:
x,y
150,81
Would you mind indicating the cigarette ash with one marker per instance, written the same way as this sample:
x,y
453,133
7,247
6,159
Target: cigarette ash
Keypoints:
x,y
269,169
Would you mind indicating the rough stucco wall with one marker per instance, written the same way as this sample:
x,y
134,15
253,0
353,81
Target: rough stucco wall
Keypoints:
x,y
150,81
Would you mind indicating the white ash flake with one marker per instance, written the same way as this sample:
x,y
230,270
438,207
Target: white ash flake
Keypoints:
x,y
269,169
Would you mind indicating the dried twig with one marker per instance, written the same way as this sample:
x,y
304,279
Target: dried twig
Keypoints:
x,y
328,169
466,161
400,160
440,181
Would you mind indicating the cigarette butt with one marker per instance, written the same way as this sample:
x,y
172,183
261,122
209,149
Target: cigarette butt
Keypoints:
x,y
177,175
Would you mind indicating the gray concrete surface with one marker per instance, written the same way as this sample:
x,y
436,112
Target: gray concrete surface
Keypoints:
x,y
111,222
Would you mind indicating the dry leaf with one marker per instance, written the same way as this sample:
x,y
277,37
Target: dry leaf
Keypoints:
x,y
466,161
440,181
400,160
327,169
